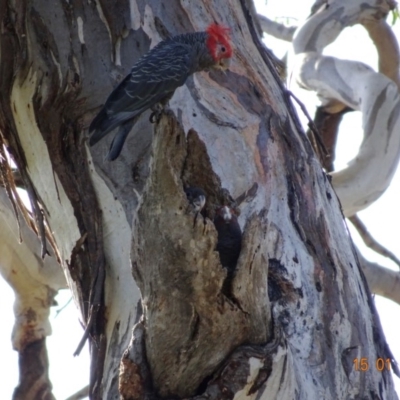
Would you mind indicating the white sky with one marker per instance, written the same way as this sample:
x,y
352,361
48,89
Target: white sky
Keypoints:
x,y
382,219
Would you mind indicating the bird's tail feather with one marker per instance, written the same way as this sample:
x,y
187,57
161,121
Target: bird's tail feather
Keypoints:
x,y
104,123
100,126
119,139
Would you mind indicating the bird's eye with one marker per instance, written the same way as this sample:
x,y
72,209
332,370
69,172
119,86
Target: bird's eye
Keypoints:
x,y
223,49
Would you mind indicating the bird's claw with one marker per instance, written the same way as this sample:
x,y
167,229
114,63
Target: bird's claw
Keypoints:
x,y
155,116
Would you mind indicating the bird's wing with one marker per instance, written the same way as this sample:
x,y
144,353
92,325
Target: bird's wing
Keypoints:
x,y
154,77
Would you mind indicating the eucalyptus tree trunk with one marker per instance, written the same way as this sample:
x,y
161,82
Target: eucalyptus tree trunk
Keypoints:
x,y
296,313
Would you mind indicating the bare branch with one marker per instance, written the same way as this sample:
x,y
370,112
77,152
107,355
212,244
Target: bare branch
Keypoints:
x,y
387,47
280,31
63,307
34,382
327,120
81,394
382,281
35,283
370,241
358,86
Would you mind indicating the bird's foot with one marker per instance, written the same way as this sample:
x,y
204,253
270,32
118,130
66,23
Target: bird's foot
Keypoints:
x,y
158,111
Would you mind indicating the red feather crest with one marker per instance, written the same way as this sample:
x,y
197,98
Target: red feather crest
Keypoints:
x,y
219,34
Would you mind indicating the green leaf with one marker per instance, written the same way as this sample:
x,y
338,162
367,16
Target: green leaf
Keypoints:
x,y
395,15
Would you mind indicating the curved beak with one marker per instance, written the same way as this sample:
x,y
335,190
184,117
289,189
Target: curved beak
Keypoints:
x,y
224,64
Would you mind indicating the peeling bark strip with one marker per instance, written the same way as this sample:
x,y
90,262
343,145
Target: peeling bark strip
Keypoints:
x,y
39,120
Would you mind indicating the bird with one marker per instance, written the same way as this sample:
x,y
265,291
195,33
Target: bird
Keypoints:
x,y
196,198
229,243
155,77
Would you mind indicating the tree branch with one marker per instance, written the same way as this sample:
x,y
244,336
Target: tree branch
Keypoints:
x,y
280,31
81,394
382,281
35,283
387,46
34,382
370,241
359,87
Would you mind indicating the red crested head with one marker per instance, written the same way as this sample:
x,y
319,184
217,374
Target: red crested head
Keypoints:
x,y
219,44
